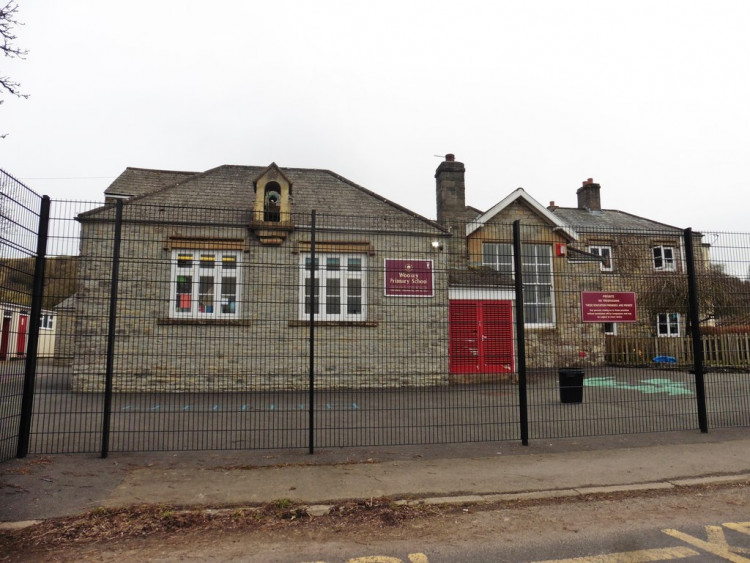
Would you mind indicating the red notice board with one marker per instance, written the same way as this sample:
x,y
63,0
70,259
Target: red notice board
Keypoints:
x,y
408,278
608,307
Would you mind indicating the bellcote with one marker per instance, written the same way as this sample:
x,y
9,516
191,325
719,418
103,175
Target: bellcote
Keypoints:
x,y
272,211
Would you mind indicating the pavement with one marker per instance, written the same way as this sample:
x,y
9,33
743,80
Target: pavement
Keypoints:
x,y
41,487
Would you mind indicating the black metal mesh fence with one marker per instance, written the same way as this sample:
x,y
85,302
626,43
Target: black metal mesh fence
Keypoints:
x,y
211,341
415,336
607,315
19,223
724,289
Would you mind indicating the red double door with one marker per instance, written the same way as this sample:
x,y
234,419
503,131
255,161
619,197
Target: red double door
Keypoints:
x,y
481,336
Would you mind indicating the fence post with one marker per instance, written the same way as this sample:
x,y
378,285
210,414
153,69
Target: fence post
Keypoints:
x,y
695,330
37,295
520,334
111,330
313,303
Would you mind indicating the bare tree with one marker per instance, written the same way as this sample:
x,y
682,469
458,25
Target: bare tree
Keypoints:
x,y
8,23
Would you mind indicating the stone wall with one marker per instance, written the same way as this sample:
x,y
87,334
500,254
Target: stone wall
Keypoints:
x,y
65,345
402,342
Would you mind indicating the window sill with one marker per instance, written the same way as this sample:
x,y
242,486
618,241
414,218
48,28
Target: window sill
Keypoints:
x,y
164,321
334,323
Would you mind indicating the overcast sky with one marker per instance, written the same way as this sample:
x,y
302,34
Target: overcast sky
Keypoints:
x,y
650,98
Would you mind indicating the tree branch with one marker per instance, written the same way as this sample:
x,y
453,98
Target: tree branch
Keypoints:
x,y
7,23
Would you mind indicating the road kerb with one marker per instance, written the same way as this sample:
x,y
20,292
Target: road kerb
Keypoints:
x,y
624,488
713,480
20,525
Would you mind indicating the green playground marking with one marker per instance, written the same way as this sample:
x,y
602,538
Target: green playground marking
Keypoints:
x,y
649,386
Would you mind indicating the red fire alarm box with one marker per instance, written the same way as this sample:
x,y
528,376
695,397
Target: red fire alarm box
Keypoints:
x,y
561,249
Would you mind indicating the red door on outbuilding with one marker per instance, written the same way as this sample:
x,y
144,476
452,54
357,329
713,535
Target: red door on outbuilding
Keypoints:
x,y
23,325
481,336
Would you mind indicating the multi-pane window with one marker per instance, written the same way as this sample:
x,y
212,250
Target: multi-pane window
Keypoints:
x,y
605,253
339,287
536,265
668,324
47,321
205,284
664,258
498,255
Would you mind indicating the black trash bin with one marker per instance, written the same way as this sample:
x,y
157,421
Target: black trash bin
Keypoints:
x,y
571,385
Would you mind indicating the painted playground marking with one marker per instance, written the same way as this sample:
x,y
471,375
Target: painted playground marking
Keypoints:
x,y
648,386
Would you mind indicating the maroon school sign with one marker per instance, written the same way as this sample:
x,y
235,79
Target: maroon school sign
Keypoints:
x,y
608,307
408,278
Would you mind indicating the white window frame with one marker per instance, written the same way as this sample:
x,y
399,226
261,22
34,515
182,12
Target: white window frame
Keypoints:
x,y
671,321
663,258
533,277
47,321
501,259
194,304
332,279
603,251
612,331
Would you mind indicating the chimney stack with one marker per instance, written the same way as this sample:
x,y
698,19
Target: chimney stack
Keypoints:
x,y
450,191
589,197
451,208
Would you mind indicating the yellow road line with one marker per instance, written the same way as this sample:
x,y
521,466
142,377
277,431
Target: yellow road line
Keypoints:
x,y
639,556
716,544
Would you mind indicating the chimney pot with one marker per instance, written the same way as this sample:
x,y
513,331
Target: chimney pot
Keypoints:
x,y
450,157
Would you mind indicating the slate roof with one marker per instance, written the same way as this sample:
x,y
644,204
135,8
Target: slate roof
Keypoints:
x,y
138,181
609,219
230,187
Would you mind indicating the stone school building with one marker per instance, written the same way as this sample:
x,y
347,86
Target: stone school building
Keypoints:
x,y
215,293
215,287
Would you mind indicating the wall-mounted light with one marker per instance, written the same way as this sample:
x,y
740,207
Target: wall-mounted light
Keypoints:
x,y
437,245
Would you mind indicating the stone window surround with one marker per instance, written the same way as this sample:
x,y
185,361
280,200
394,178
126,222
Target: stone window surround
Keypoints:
x,y
342,275
217,276
334,247
217,244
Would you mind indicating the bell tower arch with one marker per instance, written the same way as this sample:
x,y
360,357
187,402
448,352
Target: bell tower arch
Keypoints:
x,y
272,209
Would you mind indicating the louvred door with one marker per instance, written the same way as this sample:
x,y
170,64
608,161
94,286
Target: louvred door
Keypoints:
x,y
497,337
463,346
481,336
